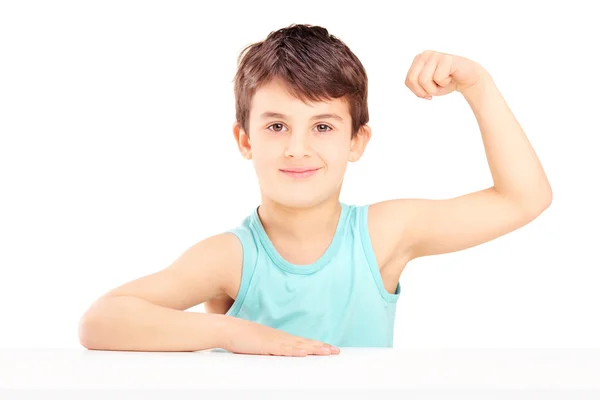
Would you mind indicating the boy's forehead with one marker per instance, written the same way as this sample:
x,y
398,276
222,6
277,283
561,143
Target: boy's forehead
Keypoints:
x,y
274,97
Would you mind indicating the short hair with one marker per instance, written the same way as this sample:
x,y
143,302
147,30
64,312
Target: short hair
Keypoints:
x,y
314,64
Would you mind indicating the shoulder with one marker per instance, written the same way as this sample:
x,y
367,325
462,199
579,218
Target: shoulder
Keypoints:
x,y
223,253
222,257
246,243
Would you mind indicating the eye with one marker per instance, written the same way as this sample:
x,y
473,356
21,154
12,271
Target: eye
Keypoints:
x,y
325,126
322,128
277,124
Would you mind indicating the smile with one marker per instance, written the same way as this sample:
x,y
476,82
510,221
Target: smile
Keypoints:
x,y
300,173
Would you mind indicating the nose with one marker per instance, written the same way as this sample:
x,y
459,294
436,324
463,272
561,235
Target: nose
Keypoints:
x,y
298,145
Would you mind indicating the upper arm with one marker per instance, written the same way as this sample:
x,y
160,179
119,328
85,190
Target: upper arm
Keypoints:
x,y
203,271
412,228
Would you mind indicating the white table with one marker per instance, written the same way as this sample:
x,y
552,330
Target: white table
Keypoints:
x,y
373,373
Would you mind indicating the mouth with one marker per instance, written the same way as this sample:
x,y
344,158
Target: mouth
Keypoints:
x,y
300,173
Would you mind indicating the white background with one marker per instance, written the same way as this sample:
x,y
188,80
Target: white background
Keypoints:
x,y
116,155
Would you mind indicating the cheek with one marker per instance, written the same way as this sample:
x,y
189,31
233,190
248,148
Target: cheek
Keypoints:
x,y
336,166
265,156
336,155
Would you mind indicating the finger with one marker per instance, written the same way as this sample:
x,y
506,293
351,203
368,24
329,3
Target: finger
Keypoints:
x,y
426,76
308,346
298,352
412,77
443,75
316,347
333,349
290,351
325,348
321,350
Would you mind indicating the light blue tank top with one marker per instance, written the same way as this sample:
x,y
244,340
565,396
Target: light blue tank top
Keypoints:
x,y
339,299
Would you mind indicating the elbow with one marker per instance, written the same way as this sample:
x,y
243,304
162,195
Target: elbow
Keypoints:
x,y
93,326
534,207
545,200
546,196
95,334
548,201
86,333
535,201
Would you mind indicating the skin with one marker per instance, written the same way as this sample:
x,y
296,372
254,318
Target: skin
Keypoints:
x,y
300,216
401,229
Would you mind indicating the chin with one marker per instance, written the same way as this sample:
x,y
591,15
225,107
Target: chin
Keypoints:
x,y
298,202
305,199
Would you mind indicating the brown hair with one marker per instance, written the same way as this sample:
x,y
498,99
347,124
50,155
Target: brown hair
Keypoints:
x,y
315,65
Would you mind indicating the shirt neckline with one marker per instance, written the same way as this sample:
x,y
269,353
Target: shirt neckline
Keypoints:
x,y
301,269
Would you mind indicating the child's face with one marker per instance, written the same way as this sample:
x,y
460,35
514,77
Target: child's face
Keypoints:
x,y
299,140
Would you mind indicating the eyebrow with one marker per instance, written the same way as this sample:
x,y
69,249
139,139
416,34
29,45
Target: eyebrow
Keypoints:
x,y
271,114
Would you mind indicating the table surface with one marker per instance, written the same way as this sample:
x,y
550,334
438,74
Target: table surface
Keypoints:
x,y
353,369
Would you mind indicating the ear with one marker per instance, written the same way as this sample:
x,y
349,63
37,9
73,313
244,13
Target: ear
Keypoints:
x,y
359,143
242,140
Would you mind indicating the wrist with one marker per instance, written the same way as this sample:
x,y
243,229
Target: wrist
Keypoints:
x,y
226,329
478,92
218,329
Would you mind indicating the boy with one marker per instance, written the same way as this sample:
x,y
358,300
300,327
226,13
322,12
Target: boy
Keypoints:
x,y
305,273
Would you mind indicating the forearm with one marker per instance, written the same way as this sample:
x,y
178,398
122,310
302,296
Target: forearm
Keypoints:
x,y
514,165
130,323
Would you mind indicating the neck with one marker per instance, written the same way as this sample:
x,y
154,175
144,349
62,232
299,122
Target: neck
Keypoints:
x,y
302,225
